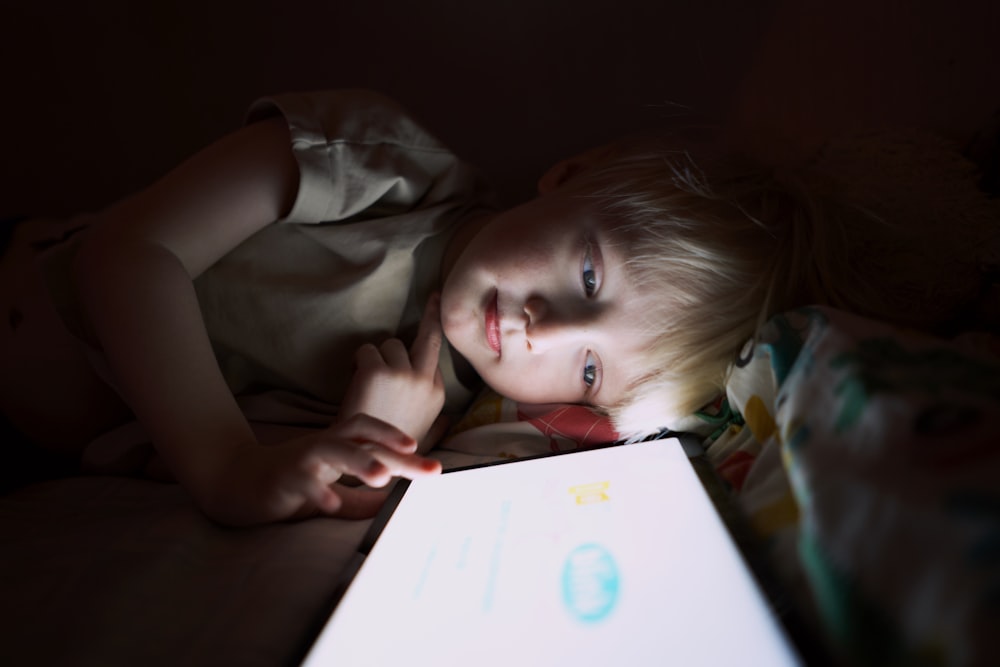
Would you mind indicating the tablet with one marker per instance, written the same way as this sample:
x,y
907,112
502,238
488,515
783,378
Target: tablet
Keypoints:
x,y
615,555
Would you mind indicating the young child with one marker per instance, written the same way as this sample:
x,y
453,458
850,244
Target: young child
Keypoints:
x,y
222,306
189,307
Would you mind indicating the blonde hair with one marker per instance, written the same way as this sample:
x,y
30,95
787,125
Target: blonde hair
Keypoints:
x,y
718,245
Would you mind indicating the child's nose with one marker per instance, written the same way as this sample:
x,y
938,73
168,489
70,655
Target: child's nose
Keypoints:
x,y
536,309
548,328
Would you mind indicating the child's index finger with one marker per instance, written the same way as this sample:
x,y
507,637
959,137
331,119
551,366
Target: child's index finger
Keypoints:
x,y
427,345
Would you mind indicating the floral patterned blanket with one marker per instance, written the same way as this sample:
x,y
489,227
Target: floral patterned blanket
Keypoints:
x,y
869,458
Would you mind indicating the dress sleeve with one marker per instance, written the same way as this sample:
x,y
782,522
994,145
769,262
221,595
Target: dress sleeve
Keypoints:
x,y
359,154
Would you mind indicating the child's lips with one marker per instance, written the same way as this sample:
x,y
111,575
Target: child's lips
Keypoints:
x,y
493,325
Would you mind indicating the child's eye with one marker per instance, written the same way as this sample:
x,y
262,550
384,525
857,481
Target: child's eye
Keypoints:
x,y
589,274
590,370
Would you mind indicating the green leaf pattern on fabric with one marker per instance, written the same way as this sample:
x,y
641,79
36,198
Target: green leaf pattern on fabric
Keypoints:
x,y
884,365
890,442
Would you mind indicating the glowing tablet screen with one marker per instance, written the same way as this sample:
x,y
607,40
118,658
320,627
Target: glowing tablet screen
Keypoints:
x,y
612,556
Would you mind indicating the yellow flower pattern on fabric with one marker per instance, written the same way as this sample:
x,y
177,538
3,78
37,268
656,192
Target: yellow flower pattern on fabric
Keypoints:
x,y
759,419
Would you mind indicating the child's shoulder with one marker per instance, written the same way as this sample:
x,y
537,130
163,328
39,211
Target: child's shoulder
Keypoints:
x,y
355,114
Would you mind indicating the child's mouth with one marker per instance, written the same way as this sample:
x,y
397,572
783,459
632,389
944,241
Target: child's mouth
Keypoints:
x,y
493,325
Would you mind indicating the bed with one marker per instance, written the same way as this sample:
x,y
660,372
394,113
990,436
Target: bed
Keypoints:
x,y
864,457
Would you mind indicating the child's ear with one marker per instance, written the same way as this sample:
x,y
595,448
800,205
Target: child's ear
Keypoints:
x,y
564,170
555,176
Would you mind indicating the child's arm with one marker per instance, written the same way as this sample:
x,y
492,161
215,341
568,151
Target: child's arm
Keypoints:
x,y
134,273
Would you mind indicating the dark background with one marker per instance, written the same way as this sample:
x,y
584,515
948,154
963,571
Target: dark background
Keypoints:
x,y
101,97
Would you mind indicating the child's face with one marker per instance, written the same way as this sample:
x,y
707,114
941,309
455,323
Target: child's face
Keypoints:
x,y
539,303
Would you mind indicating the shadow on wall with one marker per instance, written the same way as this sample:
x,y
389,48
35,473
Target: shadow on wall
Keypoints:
x,y
103,97
829,66
111,93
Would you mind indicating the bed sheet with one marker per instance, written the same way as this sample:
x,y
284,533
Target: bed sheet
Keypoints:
x,y
120,571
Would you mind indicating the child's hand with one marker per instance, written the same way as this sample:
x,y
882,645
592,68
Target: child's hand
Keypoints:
x,y
295,479
402,388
